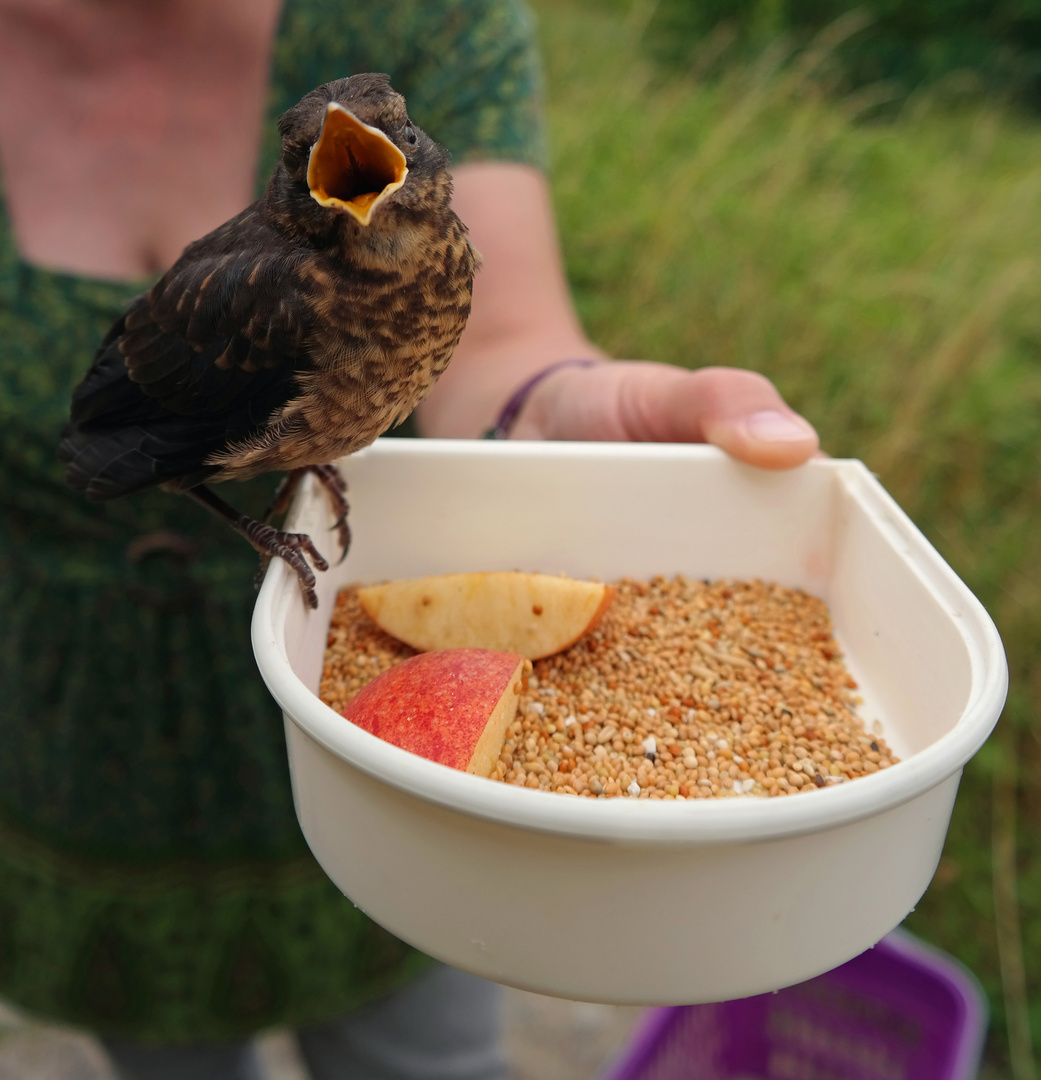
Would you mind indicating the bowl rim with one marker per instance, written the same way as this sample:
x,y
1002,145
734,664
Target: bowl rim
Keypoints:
x,y
660,821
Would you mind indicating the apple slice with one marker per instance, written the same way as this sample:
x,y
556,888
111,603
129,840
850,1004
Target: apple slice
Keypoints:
x,y
535,615
451,706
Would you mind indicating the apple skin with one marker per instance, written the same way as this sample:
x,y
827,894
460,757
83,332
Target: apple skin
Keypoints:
x,y
535,615
452,706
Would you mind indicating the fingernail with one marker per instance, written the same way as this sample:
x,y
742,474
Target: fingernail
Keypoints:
x,y
771,426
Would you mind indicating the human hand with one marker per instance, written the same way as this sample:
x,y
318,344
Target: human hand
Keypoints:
x,y
523,320
640,401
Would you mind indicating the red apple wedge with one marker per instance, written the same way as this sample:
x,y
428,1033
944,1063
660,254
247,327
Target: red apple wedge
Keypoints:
x,y
452,706
535,615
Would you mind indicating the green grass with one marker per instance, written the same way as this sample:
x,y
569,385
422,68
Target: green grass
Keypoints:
x,y
885,274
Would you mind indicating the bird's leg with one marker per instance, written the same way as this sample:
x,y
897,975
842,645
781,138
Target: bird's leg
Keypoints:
x,y
278,505
268,540
285,491
330,477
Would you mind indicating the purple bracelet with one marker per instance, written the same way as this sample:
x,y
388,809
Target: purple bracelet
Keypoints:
x,y
511,410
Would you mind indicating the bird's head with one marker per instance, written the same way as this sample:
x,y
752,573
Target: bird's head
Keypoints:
x,y
350,146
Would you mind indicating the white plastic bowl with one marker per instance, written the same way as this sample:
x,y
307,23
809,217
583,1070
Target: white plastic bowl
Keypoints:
x,y
634,901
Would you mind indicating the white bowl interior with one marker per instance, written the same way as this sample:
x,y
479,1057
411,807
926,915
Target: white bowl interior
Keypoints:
x,y
921,648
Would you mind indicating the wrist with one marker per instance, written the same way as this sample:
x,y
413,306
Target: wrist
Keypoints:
x,y
527,394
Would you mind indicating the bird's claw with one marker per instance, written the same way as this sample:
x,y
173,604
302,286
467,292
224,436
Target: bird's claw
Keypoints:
x,y
291,553
343,531
330,477
316,557
290,547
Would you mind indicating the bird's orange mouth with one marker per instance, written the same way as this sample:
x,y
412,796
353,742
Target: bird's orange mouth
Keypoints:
x,y
353,167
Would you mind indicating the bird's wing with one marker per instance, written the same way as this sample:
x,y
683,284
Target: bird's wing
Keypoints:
x,y
200,361
223,324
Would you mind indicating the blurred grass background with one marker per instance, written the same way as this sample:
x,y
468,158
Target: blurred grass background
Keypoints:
x,y
874,249
913,41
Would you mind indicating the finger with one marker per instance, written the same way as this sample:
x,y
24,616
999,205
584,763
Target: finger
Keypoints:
x,y
739,411
638,400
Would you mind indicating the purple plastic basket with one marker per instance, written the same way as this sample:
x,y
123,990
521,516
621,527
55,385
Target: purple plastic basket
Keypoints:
x,y
900,1011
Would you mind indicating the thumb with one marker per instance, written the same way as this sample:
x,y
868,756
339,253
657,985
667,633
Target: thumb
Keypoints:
x,y
739,411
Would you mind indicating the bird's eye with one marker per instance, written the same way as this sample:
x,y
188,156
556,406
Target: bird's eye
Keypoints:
x,y
410,133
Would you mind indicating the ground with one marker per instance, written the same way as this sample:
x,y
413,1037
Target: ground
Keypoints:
x,y
547,1040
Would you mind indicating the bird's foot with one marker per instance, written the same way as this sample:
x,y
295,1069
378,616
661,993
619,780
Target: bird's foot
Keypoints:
x,y
269,541
330,477
290,547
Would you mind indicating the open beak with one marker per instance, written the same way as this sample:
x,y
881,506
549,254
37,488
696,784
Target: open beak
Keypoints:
x,y
353,167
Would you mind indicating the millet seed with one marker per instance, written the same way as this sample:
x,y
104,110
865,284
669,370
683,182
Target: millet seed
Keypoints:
x,y
685,690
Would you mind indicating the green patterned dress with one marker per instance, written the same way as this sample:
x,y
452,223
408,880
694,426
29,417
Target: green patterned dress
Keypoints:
x,y
154,883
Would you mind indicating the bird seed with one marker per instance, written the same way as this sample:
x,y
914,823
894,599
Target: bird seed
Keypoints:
x,y
684,690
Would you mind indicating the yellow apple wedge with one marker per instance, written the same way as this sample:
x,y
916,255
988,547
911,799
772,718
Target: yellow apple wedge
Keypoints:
x,y
452,706
535,615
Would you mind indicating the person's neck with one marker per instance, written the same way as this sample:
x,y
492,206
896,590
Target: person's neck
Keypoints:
x,y
128,129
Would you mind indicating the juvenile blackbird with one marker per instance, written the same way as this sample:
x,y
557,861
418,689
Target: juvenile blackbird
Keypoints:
x,y
293,334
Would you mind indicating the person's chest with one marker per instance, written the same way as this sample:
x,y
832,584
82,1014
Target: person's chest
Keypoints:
x,y
126,130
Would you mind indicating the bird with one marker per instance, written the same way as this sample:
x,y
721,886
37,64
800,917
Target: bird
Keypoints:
x,y
295,333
